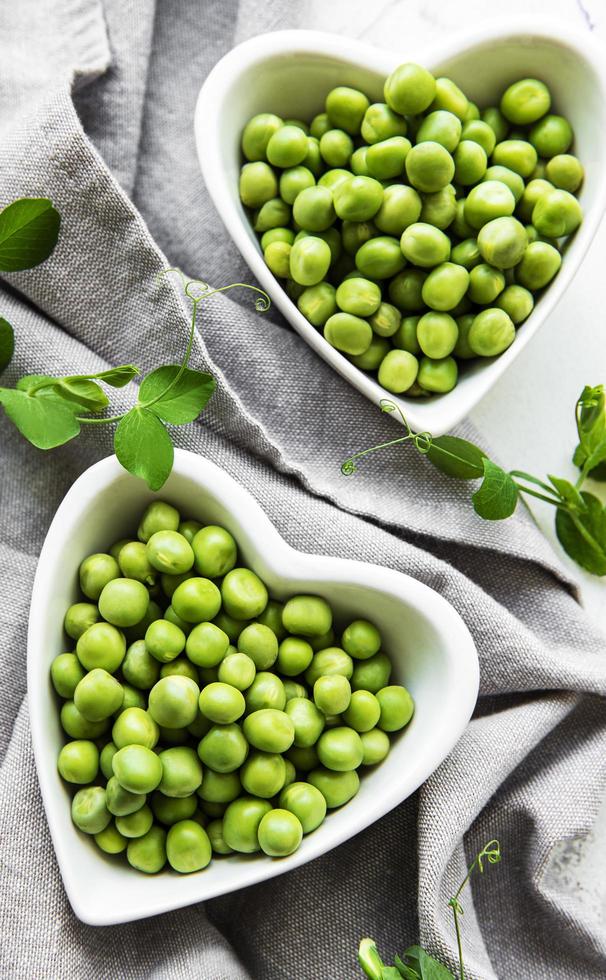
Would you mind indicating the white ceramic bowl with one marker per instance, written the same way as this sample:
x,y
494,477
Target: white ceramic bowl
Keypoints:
x,y
290,72
432,651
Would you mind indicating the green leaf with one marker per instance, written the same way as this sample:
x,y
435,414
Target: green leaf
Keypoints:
x,y
29,229
390,973
84,393
7,343
45,422
119,376
143,447
369,959
568,492
583,536
406,971
497,496
184,401
31,380
426,966
457,458
590,454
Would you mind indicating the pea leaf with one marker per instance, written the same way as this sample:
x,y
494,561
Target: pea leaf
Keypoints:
x,y
29,229
7,343
45,422
590,453
143,447
457,458
497,496
119,376
84,393
390,973
184,401
568,492
426,966
583,535
406,971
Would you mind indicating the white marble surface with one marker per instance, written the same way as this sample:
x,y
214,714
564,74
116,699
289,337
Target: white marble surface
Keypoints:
x,y
528,417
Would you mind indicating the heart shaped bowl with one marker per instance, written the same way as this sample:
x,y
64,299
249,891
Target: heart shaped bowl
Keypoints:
x,y
290,73
432,650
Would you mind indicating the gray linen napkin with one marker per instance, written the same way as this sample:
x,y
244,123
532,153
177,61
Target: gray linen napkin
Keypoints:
x,y
96,108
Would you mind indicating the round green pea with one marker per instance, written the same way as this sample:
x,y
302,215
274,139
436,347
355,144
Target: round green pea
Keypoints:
x,y
159,515
89,812
135,824
491,332
307,720
134,563
222,703
375,746
517,302
405,290
502,242
441,127
313,210
137,769
224,748
429,167
123,602
477,131
215,836
169,810
379,258
406,336
556,213
181,771
260,644
439,209
539,265
565,171
258,184
345,108
105,759
148,853
401,206
398,371
266,691
135,726
319,125
241,823
485,284
318,303
286,147
397,707
386,158
139,667
98,695
277,259
280,833
437,334
273,214
449,96
357,162
164,641
238,670
371,674
516,154
336,147
424,246
77,726
525,101
206,645
188,848
78,761
303,759
363,712
385,321
220,787
95,572
337,788
332,694
470,162
294,656
110,840
269,730
306,803
66,673
494,118
444,288
347,333
196,600
361,639
80,617
359,296
263,774
466,253
173,701
551,136
331,660
358,198
410,89
170,552
257,134
380,123
488,200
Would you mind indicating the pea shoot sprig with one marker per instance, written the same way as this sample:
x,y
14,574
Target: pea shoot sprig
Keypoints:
x,y
415,962
50,411
580,519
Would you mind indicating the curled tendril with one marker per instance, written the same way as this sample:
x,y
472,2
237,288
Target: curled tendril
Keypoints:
x,y
423,441
456,905
386,405
348,467
191,287
492,853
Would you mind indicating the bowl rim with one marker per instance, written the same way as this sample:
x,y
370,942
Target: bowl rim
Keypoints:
x,y
441,414
458,644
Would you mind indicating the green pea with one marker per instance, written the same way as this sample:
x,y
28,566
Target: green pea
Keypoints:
x,y
331,178
400,207
123,602
565,171
89,812
371,359
66,673
182,667
363,712
429,167
539,265
98,695
441,127
406,289
292,690
348,333
358,296
189,529
237,670
517,302
439,209
485,284
277,259
188,848
134,563
159,516
525,101
494,118
534,190
466,253
313,211
260,644
206,645
105,759
397,707
137,768
303,759
169,810
331,660
398,371
220,787
424,246
332,694
337,788
307,720
319,125
173,701
121,802
80,617
357,199
309,259
380,258
135,726
336,147
181,771
257,134
280,833
491,332
117,547
132,698
386,158
380,123
406,336
321,641
215,836
551,136
110,840
215,551
516,154
170,583
266,691
287,147
345,108
486,201
258,184
197,600
77,726
293,181
78,761
371,674
273,214
135,824
223,748
375,746
148,853
437,334
470,162
410,89
449,96
298,122
358,163
557,213
386,319
479,132
502,242
461,227
269,730
263,774
272,617
318,303
306,803
294,656
241,823
444,288
95,572
222,703
164,641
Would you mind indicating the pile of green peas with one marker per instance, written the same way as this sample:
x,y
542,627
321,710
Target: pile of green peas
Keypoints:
x,y
414,232
204,717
